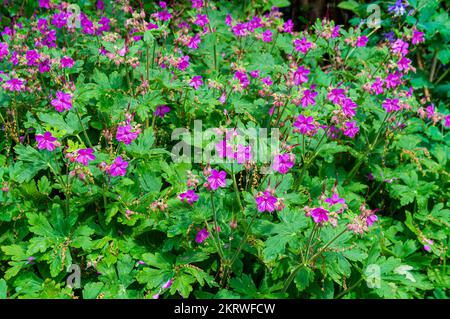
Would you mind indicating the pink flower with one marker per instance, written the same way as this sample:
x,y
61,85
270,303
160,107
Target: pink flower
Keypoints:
x,y
3,50
391,105
163,15
308,98
202,235
349,107
196,82
266,202
190,196
14,85
417,36
371,219
217,179
161,110
301,75
197,4
46,141
254,74
351,129
63,101
183,63
125,134
283,162
447,121
243,78
304,124
404,64
194,42
267,81
201,20
67,62
243,154
335,32
167,284
427,248
336,96
361,41
377,86
392,80
288,26
319,215
44,4
302,45
267,36
118,167
334,199
85,155
400,47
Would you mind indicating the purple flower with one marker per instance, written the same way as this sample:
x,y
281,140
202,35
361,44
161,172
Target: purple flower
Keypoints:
x,y
190,196
59,20
46,141
398,8
67,62
377,86
371,219
197,4
305,124
288,26
168,284
301,75
100,5
44,4
202,235
391,105
45,66
351,129
201,20
308,98
267,81
335,32
118,167
14,85
349,107
243,78
267,36
334,199
85,155
319,215
32,57
302,45
430,111
404,64
266,202
283,162
254,74
239,30
163,15
126,134
63,101
217,179
243,154
400,47
3,50
336,96
183,63
361,41
447,121
14,58
427,248
392,80
104,25
196,81
161,110
194,42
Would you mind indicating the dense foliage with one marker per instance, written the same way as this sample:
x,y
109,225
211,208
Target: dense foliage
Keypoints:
x,y
350,199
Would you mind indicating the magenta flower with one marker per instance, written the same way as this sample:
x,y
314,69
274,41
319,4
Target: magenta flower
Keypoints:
x,y
167,284
63,101
335,32
301,75
163,15
371,219
305,124
197,4
417,37
267,36
67,62
201,20
319,215
447,121
243,154
427,248
202,235
404,64
190,196
85,155
14,85
3,50
126,134
351,129
361,41
430,111
377,86
44,4
302,45
46,141
32,57
391,105
194,42
59,20
266,202
239,30
392,80
118,167
334,199
161,110
308,98
267,81
336,96
349,107
254,74
196,82
243,78
288,26
217,179
183,63
400,47
283,162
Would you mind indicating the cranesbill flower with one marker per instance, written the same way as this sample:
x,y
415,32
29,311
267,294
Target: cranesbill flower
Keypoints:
x,y
44,4
254,74
194,41
351,129
47,141
126,134
118,167
163,15
267,81
417,36
202,235
336,96
266,202
334,199
217,179
430,111
371,219
14,85
400,47
283,162
196,81
335,32
302,45
190,196
85,155
161,110
197,4
243,154
447,121
301,75
183,63
167,284
67,62
3,50
239,30
392,80
391,105
361,41
305,124
404,64
319,215
243,78
32,57
288,26
308,98
377,86
399,8
201,20
62,101
59,20
44,66
349,107
267,36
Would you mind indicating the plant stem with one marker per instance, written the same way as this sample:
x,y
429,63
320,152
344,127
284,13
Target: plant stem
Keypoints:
x,y
322,249
236,189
